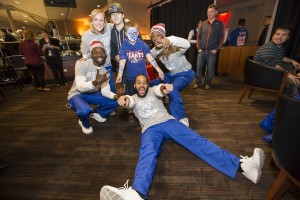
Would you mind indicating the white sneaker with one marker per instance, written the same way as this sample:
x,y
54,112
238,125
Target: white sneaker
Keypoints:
x,y
85,130
252,166
123,193
185,121
97,117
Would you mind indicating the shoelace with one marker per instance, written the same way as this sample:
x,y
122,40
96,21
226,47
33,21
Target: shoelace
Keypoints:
x,y
125,186
244,157
252,163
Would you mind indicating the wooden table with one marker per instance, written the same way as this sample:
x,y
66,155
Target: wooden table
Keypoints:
x,y
232,59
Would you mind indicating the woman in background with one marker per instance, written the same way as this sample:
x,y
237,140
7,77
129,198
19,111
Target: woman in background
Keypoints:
x,y
51,49
52,29
32,53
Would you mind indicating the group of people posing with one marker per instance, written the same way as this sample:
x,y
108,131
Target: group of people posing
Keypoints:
x,y
94,84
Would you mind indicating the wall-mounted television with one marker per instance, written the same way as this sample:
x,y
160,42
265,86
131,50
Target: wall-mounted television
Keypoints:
x,y
60,3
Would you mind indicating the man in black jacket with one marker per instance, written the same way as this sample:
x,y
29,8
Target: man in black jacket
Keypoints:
x,y
117,33
210,40
263,35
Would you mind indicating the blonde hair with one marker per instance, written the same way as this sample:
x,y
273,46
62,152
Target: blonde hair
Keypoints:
x,y
28,35
131,24
92,17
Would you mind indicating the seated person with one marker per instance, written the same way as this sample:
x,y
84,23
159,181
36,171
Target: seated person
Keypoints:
x,y
91,86
158,126
271,54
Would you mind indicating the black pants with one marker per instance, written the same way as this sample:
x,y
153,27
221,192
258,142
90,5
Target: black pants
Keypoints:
x,y
37,72
56,65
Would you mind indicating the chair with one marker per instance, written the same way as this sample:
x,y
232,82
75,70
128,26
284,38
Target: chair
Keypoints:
x,y
286,146
9,77
262,77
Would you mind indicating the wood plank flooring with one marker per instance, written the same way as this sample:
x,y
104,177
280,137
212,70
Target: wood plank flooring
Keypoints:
x,y
50,158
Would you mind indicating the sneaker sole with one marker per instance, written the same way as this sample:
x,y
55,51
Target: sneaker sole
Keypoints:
x,y
259,154
111,193
80,124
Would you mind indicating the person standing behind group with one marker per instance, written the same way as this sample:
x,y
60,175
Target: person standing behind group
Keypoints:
x,y
32,53
51,48
117,33
210,40
99,30
170,51
239,36
262,38
192,52
52,29
132,54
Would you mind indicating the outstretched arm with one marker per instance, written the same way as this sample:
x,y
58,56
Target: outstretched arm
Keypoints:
x,y
166,88
155,65
121,70
163,89
126,101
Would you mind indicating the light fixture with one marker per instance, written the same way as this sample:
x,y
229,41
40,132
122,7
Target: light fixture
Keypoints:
x,y
24,15
17,2
98,6
25,21
61,13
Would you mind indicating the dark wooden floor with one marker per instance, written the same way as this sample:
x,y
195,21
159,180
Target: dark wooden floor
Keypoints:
x,y
50,158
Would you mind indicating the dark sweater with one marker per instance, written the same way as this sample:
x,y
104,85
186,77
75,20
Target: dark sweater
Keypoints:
x,y
31,51
211,35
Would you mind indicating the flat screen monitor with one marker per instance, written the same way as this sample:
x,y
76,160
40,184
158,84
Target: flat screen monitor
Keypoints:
x,y
60,3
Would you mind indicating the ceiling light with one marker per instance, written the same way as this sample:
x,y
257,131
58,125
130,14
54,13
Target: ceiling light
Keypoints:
x,y
17,2
24,15
23,26
98,6
61,13
25,21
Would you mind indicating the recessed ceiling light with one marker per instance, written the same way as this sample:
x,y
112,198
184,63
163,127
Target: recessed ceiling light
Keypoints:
x,y
25,21
24,15
23,26
61,13
98,6
17,2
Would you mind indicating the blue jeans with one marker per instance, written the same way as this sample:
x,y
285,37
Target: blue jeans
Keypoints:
x,y
80,104
180,81
155,136
210,59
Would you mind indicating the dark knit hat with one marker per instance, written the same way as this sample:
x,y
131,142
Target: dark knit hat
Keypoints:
x,y
115,8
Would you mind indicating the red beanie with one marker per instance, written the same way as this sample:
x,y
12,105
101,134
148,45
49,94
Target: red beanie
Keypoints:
x,y
96,43
159,28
